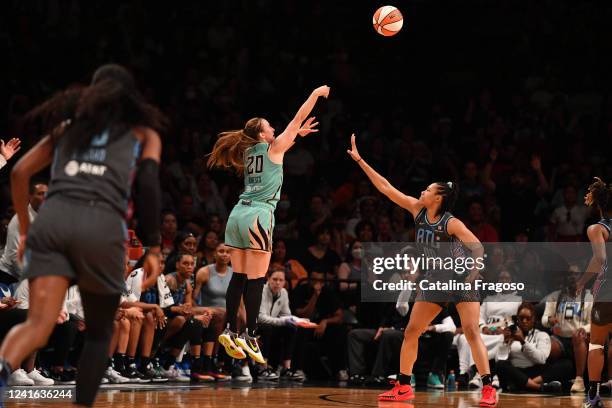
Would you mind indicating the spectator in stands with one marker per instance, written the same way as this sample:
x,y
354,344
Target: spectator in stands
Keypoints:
x,y
318,215
495,313
318,302
351,269
319,256
278,329
385,233
206,198
286,224
365,231
568,314
8,150
205,252
61,340
477,223
211,284
401,233
522,357
567,222
367,211
294,271
168,230
10,270
184,243
183,326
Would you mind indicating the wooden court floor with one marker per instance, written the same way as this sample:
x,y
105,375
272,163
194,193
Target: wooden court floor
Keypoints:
x,y
231,396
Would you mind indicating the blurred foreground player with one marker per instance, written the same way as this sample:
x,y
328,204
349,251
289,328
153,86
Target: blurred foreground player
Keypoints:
x,y
100,138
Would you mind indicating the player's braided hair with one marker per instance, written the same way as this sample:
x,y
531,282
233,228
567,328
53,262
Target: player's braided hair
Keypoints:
x,y
449,191
600,195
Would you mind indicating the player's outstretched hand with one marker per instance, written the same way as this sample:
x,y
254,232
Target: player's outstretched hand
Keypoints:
x,y
322,91
308,127
354,153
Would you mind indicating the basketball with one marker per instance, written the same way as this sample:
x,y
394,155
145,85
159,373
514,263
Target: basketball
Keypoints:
x,y
387,21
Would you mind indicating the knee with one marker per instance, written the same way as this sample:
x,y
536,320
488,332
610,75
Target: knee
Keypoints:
x,y
124,325
471,331
412,332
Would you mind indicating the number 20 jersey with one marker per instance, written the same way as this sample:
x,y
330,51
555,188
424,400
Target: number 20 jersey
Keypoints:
x,y
263,179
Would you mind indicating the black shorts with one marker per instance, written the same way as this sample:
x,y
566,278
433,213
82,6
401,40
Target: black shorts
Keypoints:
x,y
81,240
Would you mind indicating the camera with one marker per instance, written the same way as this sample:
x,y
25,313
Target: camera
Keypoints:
x,y
514,326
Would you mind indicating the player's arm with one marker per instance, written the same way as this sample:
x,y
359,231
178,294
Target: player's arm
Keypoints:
x,y
596,235
201,280
458,229
148,192
286,139
382,184
188,294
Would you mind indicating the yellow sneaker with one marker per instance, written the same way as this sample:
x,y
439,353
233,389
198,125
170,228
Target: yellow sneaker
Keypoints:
x,y
228,340
249,345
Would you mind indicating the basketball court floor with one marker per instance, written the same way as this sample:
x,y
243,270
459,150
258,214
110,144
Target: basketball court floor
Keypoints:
x,y
229,395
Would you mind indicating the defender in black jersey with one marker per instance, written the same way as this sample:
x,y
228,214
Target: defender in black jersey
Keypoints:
x,y
100,140
599,195
435,223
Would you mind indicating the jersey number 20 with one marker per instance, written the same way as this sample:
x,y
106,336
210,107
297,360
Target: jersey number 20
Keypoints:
x,y
258,164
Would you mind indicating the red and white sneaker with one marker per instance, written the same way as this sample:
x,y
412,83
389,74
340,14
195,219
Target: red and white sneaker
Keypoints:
x,y
399,392
489,396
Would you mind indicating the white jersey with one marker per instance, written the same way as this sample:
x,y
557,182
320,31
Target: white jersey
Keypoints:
x,y
134,286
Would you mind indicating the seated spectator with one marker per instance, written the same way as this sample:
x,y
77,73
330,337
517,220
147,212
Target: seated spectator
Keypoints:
x,y
184,324
522,357
168,230
568,314
351,269
286,224
477,223
211,285
205,252
318,256
401,233
495,313
385,233
61,340
10,271
567,222
294,271
319,302
367,211
184,243
365,231
387,336
278,329
207,199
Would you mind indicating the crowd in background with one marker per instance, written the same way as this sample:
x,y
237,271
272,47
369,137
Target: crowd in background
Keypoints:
x,y
518,114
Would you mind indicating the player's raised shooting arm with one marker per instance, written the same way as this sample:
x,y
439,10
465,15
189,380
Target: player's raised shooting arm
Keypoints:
x,y
382,184
286,139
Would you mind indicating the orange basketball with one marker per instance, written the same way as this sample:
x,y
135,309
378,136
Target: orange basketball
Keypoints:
x,y
387,21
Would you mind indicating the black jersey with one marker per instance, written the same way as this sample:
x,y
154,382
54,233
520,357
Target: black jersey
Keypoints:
x,y
433,238
104,171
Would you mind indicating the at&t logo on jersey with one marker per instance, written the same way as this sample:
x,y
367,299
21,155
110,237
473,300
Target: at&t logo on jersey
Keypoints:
x,y
73,168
